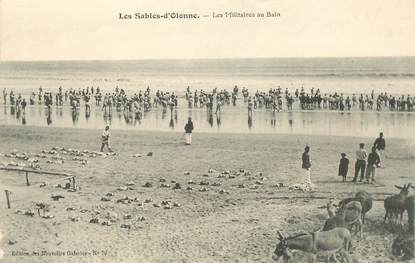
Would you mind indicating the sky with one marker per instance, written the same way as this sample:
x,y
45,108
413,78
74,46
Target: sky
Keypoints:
x,y
91,30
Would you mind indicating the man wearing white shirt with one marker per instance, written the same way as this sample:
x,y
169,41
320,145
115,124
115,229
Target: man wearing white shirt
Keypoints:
x,y
360,165
106,139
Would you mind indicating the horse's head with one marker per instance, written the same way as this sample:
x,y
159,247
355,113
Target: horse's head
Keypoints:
x,y
404,189
281,249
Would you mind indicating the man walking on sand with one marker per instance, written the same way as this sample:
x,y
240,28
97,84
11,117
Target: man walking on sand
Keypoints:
x,y
373,161
380,145
188,129
307,166
106,139
360,164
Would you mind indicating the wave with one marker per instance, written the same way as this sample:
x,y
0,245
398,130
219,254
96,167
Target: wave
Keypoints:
x,y
214,74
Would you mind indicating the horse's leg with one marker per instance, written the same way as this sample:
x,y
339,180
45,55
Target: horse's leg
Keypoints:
x,y
393,221
346,256
285,259
400,221
386,215
312,258
356,228
345,251
361,230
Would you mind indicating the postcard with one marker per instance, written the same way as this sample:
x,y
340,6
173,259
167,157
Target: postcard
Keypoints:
x,y
207,131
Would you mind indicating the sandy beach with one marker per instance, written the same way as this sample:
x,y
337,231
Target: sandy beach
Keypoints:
x,y
274,100
235,220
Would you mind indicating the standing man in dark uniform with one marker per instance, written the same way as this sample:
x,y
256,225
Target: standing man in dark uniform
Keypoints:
x,y
188,128
373,161
380,145
307,166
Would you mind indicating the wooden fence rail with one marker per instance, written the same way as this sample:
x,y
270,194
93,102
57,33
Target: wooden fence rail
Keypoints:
x,y
27,171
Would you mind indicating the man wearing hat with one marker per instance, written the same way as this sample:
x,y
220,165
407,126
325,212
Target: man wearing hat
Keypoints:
x,y
373,161
307,165
380,145
360,164
343,166
106,139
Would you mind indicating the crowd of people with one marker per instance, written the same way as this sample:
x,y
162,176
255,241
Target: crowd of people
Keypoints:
x,y
118,99
278,100
214,101
134,106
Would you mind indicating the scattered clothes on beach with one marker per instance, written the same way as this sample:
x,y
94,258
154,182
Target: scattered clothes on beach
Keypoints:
x,y
54,156
26,212
303,187
105,199
12,242
56,197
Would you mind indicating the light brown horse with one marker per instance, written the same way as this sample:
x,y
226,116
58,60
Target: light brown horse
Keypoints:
x,y
337,240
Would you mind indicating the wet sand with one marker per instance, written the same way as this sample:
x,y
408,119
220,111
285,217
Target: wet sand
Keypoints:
x,y
231,120
235,224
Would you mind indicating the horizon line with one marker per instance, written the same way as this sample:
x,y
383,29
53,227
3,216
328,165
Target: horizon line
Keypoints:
x,y
205,58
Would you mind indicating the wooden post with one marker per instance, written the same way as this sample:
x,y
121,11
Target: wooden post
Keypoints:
x,y
27,178
7,198
73,183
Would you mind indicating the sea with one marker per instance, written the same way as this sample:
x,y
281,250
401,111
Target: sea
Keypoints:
x,y
394,75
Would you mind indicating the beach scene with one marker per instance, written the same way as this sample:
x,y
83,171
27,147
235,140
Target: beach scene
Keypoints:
x,y
222,198
216,131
